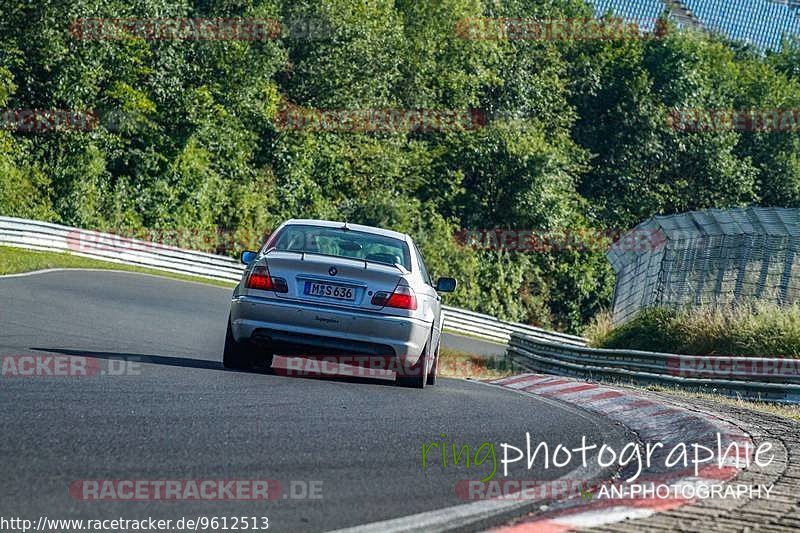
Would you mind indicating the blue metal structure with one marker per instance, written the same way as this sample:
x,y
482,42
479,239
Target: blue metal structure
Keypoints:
x,y
706,257
762,23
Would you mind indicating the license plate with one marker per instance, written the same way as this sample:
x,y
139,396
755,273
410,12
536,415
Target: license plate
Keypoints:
x,y
329,291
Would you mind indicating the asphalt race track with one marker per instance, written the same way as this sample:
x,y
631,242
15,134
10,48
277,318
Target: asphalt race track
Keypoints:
x,y
175,414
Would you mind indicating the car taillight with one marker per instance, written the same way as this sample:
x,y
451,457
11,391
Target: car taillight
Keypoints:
x,y
402,298
260,279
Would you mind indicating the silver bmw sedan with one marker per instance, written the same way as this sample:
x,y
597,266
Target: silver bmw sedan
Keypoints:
x,y
319,288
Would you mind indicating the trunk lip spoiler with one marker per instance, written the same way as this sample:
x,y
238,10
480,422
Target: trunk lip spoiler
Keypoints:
x,y
403,270
399,267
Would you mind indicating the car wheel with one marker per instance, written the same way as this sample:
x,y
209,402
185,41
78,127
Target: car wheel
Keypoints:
x,y
263,357
236,355
434,368
415,376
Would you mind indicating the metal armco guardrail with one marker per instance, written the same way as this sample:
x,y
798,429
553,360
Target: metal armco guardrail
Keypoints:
x,y
529,347
490,328
98,245
46,236
773,379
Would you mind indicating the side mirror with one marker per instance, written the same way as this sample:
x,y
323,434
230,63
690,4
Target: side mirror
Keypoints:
x,y
446,285
248,257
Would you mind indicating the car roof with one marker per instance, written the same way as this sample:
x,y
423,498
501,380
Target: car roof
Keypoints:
x,y
356,227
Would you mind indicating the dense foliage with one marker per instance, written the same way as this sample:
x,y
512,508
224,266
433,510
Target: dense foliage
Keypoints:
x,y
576,137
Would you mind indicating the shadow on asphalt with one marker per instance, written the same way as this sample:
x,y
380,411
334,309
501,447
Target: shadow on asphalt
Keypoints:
x,y
186,362
203,364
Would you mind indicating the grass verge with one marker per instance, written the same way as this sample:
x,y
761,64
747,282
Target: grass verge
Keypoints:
x,y
751,329
18,260
454,364
462,333
784,410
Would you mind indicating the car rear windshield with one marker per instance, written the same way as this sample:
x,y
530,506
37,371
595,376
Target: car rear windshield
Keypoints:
x,y
340,242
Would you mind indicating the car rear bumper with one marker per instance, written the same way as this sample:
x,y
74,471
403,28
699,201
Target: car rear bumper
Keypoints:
x,y
302,329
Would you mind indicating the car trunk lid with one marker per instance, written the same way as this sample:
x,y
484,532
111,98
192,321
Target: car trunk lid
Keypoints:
x,y
335,281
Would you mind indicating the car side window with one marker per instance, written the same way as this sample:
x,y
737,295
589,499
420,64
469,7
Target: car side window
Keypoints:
x,y
421,264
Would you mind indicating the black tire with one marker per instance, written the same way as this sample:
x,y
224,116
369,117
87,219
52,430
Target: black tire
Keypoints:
x,y
433,374
262,356
415,376
236,355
